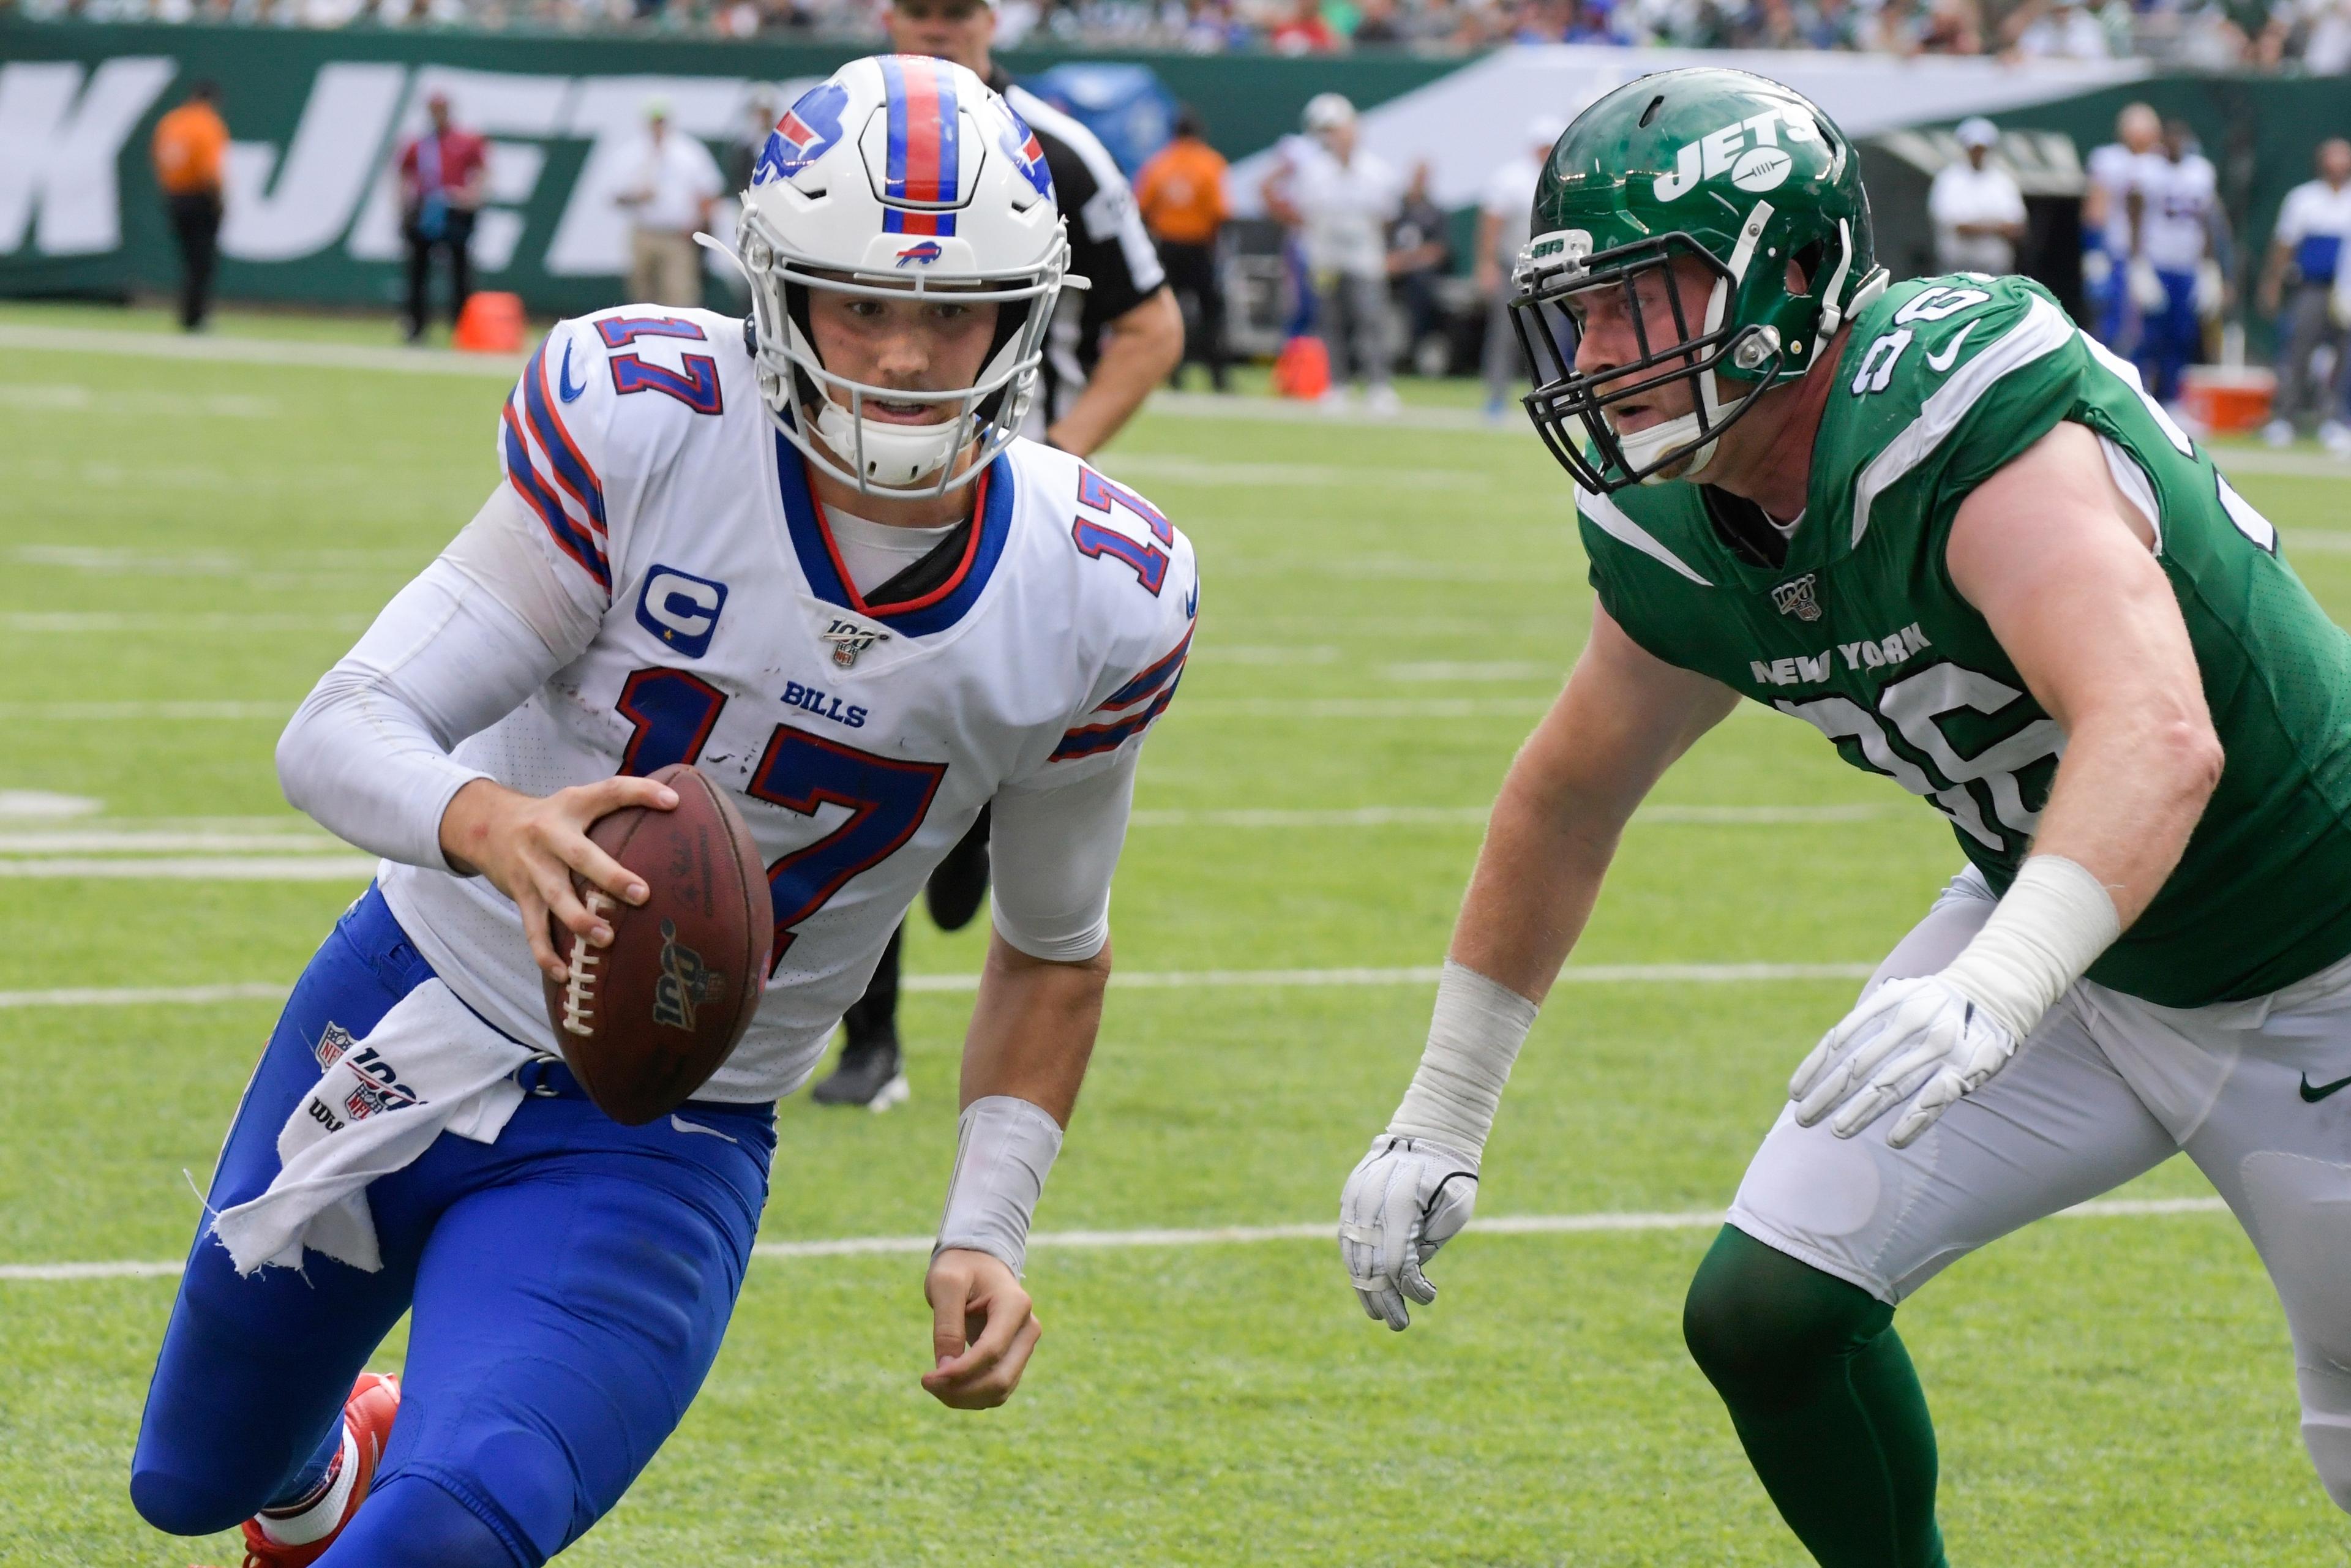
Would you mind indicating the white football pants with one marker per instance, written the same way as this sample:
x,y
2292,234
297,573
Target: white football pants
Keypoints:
x,y
2106,1087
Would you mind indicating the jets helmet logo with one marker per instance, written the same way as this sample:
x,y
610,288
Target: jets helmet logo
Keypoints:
x,y
1749,151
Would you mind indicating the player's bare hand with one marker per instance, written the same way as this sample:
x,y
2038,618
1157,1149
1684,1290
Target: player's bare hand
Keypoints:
x,y
1403,1201
982,1330
528,846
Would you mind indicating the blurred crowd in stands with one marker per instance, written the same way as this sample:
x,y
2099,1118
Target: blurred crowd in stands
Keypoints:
x,y
2310,35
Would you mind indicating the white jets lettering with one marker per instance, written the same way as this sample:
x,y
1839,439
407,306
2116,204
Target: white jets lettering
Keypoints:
x,y
1713,154
1813,669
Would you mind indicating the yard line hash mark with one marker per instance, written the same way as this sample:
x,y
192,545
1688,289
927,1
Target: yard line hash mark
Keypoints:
x,y
1213,1236
1141,979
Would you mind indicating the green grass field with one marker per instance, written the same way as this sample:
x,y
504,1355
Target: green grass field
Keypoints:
x,y
188,543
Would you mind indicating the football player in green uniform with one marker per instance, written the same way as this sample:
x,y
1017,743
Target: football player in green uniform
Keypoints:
x,y
1949,531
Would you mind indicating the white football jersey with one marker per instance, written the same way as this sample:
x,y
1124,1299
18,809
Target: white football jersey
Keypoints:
x,y
860,740
2176,224
2118,171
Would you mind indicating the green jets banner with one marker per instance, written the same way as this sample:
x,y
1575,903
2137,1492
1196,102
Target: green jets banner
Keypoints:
x,y
317,118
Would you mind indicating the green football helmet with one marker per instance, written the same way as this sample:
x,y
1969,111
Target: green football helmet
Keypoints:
x,y
1741,173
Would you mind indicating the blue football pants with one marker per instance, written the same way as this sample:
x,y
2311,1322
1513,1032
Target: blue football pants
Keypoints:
x,y
2172,338
569,1284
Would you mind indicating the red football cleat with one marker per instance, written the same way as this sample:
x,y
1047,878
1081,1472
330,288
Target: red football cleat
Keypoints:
x,y
367,1416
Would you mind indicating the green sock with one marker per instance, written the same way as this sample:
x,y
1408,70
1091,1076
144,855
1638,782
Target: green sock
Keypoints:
x,y
1824,1400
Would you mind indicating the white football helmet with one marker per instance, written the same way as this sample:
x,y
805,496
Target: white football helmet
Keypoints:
x,y
901,169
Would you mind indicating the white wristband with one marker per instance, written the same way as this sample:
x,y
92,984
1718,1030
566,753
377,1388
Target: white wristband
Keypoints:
x,y
1004,1150
2048,929
1473,1040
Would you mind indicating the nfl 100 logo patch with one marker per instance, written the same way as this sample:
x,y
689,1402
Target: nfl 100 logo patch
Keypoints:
x,y
1799,597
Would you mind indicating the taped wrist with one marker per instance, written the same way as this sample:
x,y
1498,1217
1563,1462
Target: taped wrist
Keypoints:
x,y
1004,1150
2048,929
1473,1038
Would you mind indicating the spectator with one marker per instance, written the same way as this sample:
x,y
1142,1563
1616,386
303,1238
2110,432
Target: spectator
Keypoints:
x,y
2326,37
1505,215
1182,193
743,152
1107,349
2112,204
1976,207
1379,25
2172,282
444,175
670,184
1304,32
1420,256
2254,29
2307,247
2061,29
1342,199
191,144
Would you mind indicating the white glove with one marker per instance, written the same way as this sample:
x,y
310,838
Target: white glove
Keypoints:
x,y
2097,267
1922,1037
2211,290
2146,287
1406,1199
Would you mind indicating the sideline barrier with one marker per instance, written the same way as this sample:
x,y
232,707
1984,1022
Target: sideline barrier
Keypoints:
x,y
318,116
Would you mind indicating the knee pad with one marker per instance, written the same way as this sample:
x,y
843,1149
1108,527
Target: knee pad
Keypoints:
x,y
2300,1221
1758,1322
2326,1427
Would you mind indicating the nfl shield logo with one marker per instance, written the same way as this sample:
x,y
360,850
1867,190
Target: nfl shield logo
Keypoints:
x,y
1798,597
332,1043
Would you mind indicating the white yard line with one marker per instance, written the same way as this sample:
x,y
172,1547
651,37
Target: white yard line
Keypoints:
x,y
1143,980
293,854
1473,816
145,996
68,622
146,713
1212,1236
198,868
1360,708
128,840
262,351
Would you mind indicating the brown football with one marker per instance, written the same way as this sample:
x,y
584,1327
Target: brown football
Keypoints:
x,y
644,1022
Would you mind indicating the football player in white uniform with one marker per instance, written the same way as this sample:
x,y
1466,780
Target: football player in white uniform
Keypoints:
x,y
807,554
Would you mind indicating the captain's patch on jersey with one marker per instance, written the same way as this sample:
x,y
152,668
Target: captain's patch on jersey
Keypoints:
x,y
681,609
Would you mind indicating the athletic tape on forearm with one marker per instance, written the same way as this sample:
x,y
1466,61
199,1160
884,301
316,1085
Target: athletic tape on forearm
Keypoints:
x,y
2049,928
1004,1149
1473,1038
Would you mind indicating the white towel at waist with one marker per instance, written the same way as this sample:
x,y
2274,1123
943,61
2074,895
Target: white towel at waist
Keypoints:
x,y
431,1065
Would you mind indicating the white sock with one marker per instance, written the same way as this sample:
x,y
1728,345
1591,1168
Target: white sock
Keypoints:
x,y
317,1521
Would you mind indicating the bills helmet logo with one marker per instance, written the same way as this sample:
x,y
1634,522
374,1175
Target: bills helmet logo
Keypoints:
x,y
809,131
1028,155
921,254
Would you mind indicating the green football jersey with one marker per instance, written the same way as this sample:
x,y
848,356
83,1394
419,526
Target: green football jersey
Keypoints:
x,y
1861,634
